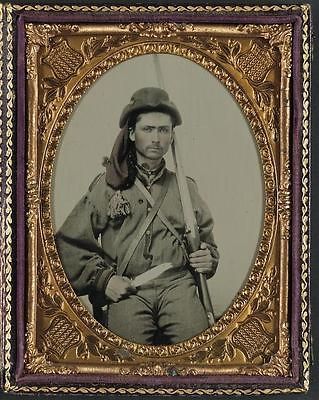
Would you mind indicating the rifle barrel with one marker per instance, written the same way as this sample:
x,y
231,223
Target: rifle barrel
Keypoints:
x,y
192,233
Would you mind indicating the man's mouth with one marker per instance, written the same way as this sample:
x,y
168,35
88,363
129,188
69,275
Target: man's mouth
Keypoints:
x,y
155,148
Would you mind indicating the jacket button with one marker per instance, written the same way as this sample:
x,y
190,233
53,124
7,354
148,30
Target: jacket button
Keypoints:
x,y
141,201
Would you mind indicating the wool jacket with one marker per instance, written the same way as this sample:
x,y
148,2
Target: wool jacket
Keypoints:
x,y
91,243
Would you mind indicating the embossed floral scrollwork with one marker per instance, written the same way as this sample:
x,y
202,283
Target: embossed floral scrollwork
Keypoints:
x,y
279,363
91,345
255,63
158,369
96,46
284,201
38,363
220,350
278,35
226,52
261,305
64,63
54,50
48,299
157,30
33,199
262,143
62,334
251,337
53,91
41,34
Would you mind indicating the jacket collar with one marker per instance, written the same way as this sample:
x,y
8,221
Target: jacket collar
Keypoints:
x,y
148,176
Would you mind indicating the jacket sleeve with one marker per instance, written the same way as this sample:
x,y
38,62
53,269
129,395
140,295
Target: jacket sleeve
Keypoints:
x,y
205,224
86,264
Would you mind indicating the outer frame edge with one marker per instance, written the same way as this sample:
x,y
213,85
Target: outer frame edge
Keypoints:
x,y
7,10
8,101
306,170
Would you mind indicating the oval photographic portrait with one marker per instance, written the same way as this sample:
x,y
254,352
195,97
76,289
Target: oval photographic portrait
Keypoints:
x,y
157,199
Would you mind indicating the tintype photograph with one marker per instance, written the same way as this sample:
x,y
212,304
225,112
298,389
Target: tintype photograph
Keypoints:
x,y
203,135
159,213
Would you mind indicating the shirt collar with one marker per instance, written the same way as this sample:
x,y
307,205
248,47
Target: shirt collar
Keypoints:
x,y
147,176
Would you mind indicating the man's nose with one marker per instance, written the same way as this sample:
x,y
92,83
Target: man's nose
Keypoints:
x,y
155,135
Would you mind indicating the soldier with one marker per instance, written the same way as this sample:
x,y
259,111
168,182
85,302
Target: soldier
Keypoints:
x,y
130,223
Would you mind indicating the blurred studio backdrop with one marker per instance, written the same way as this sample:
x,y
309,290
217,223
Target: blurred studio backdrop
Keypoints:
x,y
217,146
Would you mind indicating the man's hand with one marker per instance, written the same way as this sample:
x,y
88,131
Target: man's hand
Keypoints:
x,y
118,288
202,260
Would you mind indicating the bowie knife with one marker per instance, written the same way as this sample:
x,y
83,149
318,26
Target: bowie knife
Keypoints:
x,y
151,274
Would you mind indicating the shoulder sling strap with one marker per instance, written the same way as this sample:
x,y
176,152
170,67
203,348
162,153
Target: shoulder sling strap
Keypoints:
x,y
148,220
162,217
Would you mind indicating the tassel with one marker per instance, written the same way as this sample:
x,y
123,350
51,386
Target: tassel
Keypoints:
x,y
119,206
106,161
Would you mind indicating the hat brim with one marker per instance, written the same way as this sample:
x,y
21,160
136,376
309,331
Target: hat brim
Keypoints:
x,y
134,110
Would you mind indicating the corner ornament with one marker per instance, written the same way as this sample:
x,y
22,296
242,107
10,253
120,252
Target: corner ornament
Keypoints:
x,y
38,363
42,35
279,363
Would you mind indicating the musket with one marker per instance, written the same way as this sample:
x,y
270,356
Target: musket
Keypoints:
x,y
191,232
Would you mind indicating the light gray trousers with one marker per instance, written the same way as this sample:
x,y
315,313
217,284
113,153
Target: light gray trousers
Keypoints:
x,y
168,308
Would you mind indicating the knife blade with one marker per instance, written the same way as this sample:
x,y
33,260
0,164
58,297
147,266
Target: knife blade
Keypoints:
x,y
153,273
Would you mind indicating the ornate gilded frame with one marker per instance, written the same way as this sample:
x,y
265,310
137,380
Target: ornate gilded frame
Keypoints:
x,y
258,53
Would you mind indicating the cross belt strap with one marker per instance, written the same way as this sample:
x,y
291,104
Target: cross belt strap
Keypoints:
x,y
148,220
160,214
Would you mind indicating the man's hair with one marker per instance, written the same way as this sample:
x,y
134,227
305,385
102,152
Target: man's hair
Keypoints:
x,y
135,117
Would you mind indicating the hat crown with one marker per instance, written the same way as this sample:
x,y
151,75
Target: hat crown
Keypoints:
x,y
150,96
150,99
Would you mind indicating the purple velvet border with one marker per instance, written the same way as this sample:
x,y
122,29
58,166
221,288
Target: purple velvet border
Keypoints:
x,y
21,174
118,17
296,219
296,199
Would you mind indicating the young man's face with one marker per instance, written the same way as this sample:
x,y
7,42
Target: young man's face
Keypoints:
x,y
152,135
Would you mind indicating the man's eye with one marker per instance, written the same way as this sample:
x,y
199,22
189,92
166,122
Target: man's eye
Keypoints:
x,y
164,129
147,129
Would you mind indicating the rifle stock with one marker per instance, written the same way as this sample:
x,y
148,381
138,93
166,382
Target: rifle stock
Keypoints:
x,y
205,298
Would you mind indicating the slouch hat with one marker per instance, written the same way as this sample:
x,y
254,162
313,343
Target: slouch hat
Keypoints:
x,y
150,99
